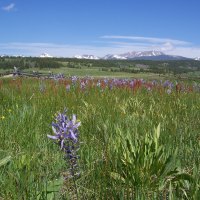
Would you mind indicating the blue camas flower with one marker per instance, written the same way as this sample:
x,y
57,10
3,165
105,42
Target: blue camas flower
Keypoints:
x,y
65,129
66,135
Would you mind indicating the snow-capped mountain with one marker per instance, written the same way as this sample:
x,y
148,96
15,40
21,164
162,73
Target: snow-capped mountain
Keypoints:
x,y
197,58
135,54
113,57
91,57
22,56
3,55
143,55
45,55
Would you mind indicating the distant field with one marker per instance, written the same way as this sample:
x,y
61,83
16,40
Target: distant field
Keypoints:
x,y
96,72
147,69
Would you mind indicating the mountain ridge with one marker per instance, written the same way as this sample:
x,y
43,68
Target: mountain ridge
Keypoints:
x,y
136,55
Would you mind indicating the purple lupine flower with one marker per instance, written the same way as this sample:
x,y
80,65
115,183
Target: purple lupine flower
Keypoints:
x,y
65,128
82,85
67,137
132,83
154,82
105,81
58,76
167,83
110,86
74,79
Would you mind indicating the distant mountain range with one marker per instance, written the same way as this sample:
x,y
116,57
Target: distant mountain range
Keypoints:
x,y
137,55
43,55
5,55
134,55
197,58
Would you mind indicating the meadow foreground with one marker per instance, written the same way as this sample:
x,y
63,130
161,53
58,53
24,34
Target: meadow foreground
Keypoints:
x,y
138,139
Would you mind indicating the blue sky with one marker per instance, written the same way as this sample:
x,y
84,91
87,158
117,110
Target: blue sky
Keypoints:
x,y
75,27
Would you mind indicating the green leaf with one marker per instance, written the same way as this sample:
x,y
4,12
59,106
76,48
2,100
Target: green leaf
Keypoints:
x,y
117,177
158,131
52,189
5,160
55,185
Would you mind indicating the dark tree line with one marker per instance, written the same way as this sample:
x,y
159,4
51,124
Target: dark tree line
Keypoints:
x,y
26,63
130,66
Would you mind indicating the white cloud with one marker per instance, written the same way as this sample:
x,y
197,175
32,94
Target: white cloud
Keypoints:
x,y
9,7
166,45
147,39
190,52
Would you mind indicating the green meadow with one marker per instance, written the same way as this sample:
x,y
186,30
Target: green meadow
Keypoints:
x,y
135,144
95,72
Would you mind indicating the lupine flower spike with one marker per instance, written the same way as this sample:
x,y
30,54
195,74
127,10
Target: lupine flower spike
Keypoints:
x,y
66,135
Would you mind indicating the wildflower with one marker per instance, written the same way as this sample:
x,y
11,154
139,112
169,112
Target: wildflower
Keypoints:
x,y
166,84
66,134
132,83
83,85
74,79
105,81
65,129
98,84
154,82
111,86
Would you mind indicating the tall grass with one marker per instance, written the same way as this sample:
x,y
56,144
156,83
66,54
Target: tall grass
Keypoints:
x,y
136,144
